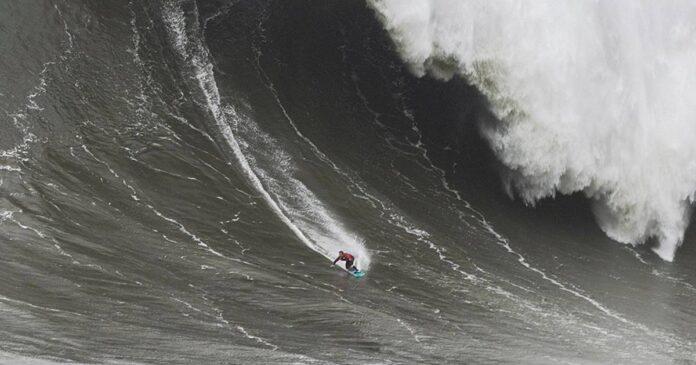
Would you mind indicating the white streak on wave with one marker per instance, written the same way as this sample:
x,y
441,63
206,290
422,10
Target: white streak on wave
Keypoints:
x,y
326,231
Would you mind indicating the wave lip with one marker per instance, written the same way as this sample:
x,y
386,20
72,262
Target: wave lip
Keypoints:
x,y
590,97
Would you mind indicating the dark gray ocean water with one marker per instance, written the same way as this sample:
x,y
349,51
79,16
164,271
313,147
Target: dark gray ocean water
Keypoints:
x,y
175,176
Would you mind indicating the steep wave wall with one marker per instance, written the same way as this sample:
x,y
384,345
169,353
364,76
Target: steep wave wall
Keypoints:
x,y
267,167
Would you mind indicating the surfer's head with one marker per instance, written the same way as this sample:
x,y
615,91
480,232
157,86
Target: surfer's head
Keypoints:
x,y
340,253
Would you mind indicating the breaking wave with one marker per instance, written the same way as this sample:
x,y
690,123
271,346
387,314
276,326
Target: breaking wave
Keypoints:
x,y
589,97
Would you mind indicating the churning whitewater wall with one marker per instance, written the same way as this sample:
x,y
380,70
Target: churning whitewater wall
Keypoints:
x,y
591,96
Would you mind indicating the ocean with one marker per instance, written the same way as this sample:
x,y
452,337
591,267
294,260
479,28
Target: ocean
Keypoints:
x,y
516,180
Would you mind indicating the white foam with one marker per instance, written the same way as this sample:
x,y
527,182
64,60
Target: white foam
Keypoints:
x,y
591,96
9,168
20,116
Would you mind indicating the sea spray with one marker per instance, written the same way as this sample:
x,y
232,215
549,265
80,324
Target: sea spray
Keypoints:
x,y
590,96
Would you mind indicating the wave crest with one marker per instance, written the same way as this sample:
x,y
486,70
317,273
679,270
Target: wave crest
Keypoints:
x,y
590,97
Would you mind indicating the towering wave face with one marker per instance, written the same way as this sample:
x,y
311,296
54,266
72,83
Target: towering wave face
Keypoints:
x,y
271,172
590,96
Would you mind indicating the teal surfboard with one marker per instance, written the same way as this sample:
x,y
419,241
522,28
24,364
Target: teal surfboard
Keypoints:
x,y
357,273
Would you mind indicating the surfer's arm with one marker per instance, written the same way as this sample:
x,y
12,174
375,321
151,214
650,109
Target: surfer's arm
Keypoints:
x,y
335,261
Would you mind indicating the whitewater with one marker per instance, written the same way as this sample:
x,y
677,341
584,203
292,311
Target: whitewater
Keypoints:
x,y
591,97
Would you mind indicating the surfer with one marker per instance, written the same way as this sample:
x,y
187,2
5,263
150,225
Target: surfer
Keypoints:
x,y
348,258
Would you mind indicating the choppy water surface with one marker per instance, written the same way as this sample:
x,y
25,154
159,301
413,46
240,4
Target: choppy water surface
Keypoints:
x,y
175,177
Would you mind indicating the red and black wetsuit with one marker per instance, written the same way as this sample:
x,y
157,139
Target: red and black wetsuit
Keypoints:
x,y
348,258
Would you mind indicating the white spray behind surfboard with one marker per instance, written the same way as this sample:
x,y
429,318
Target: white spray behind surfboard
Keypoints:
x,y
592,96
